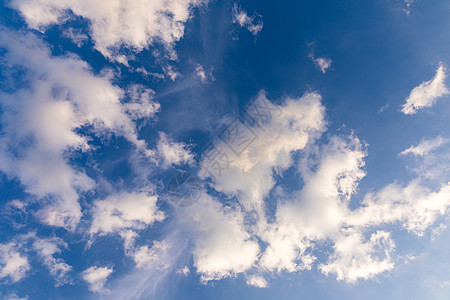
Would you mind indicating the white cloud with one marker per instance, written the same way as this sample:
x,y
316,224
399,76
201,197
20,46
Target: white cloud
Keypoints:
x,y
173,153
40,120
96,277
13,264
46,249
124,211
203,75
223,247
322,63
116,23
256,281
145,256
355,259
185,271
253,24
425,147
288,128
427,93
414,206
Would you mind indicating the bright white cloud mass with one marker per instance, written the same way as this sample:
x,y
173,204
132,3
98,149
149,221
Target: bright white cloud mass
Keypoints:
x,y
147,153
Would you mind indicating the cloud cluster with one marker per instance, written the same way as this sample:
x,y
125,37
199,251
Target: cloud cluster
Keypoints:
x,y
116,23
56,97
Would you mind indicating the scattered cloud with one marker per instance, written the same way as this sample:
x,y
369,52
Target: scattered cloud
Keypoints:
x,y
40,121
116,23
13,264
124,211
46,249
173,153
425,146
427,93
96,277
253,24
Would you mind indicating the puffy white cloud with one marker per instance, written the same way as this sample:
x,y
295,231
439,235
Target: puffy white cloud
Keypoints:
x,y
355,259
223,247
425,146
96,277
13,264
124,211
40,119
116,23
317,211
277,131
254,24
427,93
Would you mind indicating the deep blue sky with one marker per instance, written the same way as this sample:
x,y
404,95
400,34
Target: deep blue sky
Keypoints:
x,y
379,53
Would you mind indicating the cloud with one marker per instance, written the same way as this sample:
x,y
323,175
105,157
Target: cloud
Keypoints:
x,y
173,153
203,75
13,264
253,24
124,211
355,259
256,281
425,146
322,63
96,278
408,4
271,137
427,93
40,119
223,248
145,256
46,249
135,25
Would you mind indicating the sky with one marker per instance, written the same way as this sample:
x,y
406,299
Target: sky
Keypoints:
x,y
205,149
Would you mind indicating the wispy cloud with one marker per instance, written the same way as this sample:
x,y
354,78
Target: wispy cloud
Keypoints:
x,y
254,24
427,93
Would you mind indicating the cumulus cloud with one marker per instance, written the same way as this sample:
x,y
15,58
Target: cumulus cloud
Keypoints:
x,y
40,118
253,24
425,146
124,211
223,247
96,278
13,264
116,23
427,93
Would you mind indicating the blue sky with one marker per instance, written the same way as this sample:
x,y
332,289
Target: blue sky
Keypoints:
x,y
314,135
